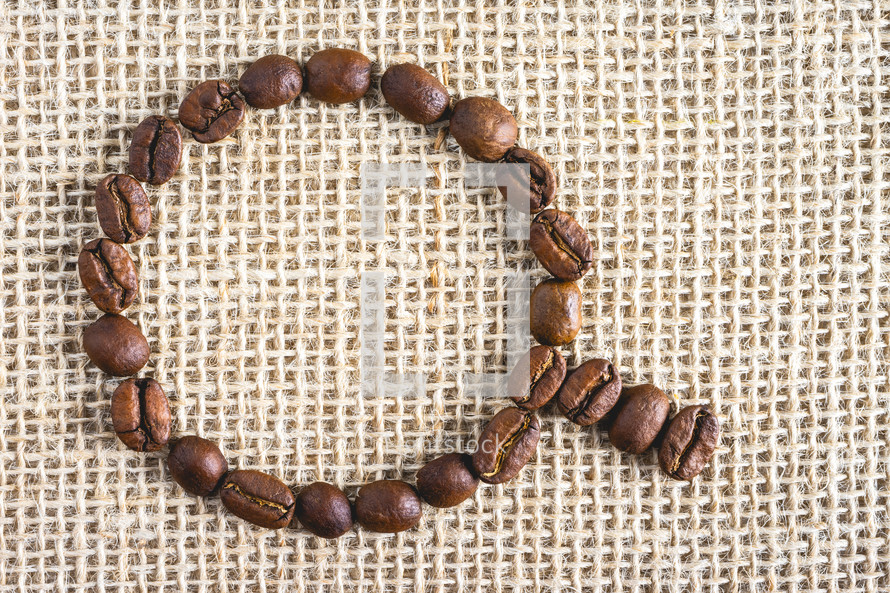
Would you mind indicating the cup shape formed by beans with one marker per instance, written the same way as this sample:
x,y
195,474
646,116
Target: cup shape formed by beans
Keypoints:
x,y
108,275
122,208
197,465
447,481
546,370
258,497
639,416
539,187
140,414
589,392
483,128
155,150
387,506
561,245
271,81
689,442
115,345
324,510
338,75
211,111
507,442
555,312
415,93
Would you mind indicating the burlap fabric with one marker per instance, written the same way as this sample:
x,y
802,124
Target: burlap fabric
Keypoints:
x,y
728,160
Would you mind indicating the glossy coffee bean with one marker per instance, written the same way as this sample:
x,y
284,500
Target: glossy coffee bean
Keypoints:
x,y
338,75
140,414
108,275
197,465
415,93
324,510
447,481
540,186
589,392
387,506
639,417
258,497
211,111
546,371
123,209
507,442
561,245
483,128
115,345
156,150
689,442
271,81
555,312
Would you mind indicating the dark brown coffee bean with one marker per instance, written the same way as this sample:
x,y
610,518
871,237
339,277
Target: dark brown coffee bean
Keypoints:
x,y
483,128
540,187
415,93
561,245
211,111
555,312
338,75
589,392
641,413
140,414
689,442
546,371
507,442
271,81
324,510
123,209
258,497
447,480
156,150
115,345
197,465
387,506
108,275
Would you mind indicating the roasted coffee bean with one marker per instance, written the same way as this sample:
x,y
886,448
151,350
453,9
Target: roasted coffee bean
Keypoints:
x,y
258,497
156,150
108,275
271,81
640,415
689,442
211,111
140,414
561,245
483,128
546,371
540,187
447,480
415,93
123,209
115,345
197,465
338,75
555,313
589,392
387,506
507,442
324,510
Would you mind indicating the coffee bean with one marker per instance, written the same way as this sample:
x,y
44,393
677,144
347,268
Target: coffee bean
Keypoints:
x,y
387,506
546,371
115,345
415,93
561,245
258,497
123,209
555,312
338,75
197,465
211,111
108,275
540,187
447,480
483,128
156,150
640,415
689,442
507,442
589,392
324,510
271,81
140,414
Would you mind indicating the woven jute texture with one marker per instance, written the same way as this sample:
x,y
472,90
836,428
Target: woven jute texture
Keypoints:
x,y
729,162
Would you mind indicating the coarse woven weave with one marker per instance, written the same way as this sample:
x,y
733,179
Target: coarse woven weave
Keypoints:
x,y
729,161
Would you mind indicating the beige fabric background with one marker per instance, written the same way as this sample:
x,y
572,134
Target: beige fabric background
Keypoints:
x,y
730,162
